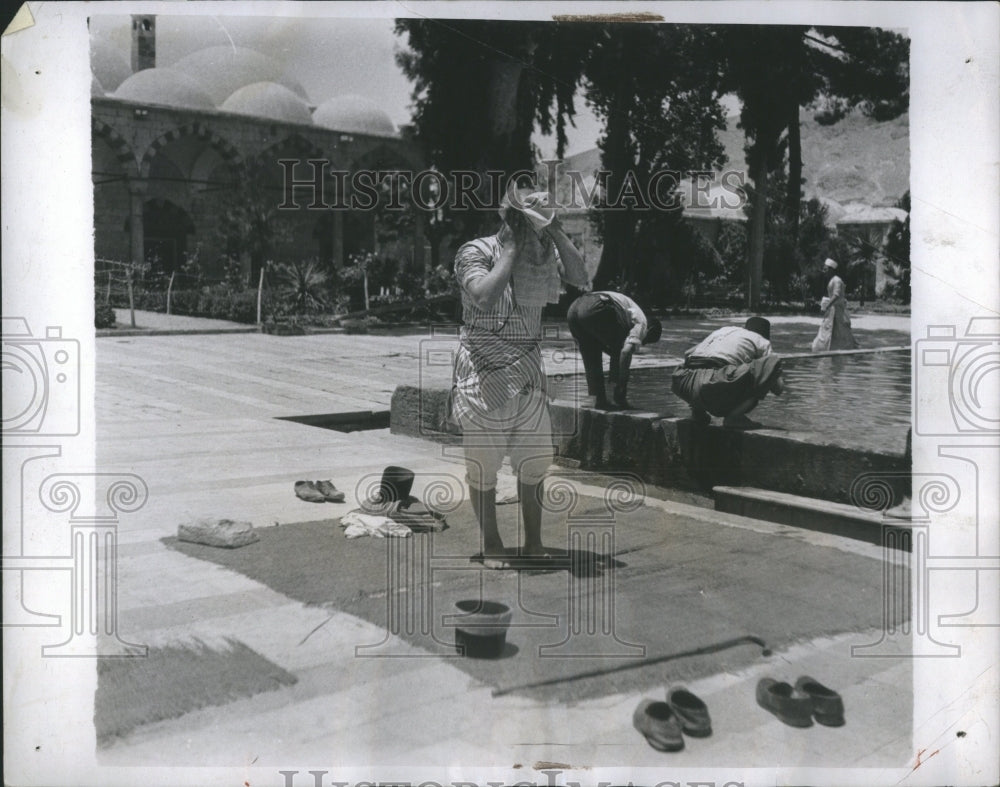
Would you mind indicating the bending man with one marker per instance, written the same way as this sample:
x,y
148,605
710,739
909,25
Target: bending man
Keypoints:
x,y
498,395
729,373
613,324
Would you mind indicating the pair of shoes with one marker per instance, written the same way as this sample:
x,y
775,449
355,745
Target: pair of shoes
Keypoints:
x,y
797,705
664,724
318,492
330,492
827,705
658,725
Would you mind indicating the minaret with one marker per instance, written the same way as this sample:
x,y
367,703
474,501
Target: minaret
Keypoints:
x,y
143,42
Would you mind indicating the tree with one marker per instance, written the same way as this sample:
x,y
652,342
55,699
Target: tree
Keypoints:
x,y
250,226
763,66
775,70
656,88
897,253
480,87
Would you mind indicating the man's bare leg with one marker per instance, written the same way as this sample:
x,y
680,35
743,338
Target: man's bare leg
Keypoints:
x,y
484,503
531,513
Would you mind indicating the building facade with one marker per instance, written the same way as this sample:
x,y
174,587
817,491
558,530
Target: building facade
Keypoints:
x,y
191,163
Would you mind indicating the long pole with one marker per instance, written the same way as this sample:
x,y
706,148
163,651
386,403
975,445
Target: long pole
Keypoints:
x,y
131,299
170,287
365,271
260,293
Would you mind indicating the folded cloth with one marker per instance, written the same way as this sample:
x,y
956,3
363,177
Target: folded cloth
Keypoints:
x,y
536,285
534,205
409,511
357,524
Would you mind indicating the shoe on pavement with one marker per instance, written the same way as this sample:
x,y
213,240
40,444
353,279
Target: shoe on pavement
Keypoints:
x,y
785,702
658,724
330,493
306,490
691,711
827,705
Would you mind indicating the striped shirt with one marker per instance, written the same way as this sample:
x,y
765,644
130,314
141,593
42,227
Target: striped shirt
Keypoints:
x,y
499,354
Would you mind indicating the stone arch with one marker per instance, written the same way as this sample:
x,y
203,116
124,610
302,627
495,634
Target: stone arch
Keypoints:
x,y
363,230
387,152
198,130
294,146
297,145
123,153
167,230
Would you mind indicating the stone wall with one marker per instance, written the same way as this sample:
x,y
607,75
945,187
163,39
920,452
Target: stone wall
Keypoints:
x,y
675,452
190,158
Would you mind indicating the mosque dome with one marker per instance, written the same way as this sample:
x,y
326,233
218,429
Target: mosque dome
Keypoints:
x,y
95,87
164,86
269,100
108,64
222,70
353,114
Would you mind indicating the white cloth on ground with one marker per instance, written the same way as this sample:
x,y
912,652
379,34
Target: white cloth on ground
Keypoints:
x,y
357,525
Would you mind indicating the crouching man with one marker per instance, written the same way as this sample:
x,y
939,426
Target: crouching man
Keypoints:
x,y
729,373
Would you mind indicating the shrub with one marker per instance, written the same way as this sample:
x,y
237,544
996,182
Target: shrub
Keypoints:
x,y
104,316
302,286
184,301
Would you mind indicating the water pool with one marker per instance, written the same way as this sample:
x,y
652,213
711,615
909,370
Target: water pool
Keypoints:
x,y
859,400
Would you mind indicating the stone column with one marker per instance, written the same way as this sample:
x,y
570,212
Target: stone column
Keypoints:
x,y
338,238
137,242
419,225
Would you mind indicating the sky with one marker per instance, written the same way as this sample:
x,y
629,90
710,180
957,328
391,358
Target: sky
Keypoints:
x,y
328,57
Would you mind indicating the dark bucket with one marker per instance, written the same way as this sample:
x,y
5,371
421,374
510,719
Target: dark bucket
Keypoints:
x,y
481,631
473,647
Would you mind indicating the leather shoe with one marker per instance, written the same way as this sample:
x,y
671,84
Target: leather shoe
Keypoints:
x,y
330,493
306,490
659,725
785,702
827,705
691,712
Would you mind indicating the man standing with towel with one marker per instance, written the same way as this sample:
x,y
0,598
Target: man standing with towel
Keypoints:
x,y
498,395
611,323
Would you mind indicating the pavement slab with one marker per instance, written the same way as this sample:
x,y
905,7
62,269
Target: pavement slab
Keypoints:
x,y
194,416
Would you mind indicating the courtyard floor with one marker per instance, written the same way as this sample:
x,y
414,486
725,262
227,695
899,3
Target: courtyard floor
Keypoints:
x,y
196,416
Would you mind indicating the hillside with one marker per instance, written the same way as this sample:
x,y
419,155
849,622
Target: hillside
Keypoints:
x,y
855,160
